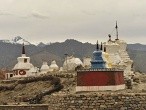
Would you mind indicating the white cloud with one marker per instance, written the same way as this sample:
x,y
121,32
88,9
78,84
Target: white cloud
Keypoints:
x,y
39,15
4,13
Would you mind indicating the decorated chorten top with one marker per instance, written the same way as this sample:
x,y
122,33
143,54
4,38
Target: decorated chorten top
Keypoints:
x,y
114,46
97,54
98,60
23,61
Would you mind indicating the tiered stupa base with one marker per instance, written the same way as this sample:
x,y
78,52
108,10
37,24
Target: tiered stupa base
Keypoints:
x,y
100,80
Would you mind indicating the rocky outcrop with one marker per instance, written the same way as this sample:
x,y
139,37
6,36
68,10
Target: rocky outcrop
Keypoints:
x,y
35,88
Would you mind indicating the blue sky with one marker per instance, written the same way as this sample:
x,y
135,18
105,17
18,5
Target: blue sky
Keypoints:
x,y
83,20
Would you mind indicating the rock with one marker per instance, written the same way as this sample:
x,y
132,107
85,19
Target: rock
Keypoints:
x,y
103,106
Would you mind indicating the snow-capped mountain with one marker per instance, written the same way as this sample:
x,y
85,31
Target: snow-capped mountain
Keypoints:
x,y
41,44
17,40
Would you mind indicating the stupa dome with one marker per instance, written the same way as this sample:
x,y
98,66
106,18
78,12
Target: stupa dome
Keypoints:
x,y
45,67
54,66
71,63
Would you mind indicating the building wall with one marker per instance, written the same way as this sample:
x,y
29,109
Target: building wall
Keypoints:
x,y
99,78
110,101
3,74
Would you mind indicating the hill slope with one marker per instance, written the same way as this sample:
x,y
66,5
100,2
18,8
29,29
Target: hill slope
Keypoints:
x,y
9,53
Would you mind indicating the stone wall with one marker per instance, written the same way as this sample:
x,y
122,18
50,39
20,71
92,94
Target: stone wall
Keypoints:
x,y
110,101
23,107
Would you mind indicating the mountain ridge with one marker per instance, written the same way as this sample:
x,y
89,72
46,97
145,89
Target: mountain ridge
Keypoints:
x,y
55,51
16,40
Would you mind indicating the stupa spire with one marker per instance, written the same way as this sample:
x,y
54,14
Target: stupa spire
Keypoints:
x,y
101,46
97,46
23,49
116,31
104,49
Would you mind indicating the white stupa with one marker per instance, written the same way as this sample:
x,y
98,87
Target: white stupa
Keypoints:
x,y
44,68
33,71
118,55
106,58
23,66
71,63
61,69
87,62
53,66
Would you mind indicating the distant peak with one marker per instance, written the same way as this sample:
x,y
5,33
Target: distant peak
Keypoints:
x,y
41,44
71,40
20,40
17,38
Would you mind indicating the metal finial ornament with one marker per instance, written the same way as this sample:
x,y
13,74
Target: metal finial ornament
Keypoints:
x,y
23,49
104,49
109,37
101,46
97,46
116,31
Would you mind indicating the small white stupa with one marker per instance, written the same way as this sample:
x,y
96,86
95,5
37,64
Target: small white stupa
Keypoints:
x,y
44,68
61,69
71,63
23,66
33,71
87,62
53,66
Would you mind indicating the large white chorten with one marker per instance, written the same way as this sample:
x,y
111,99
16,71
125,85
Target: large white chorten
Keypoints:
x,y
118,55
23,66
71,63
115,54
